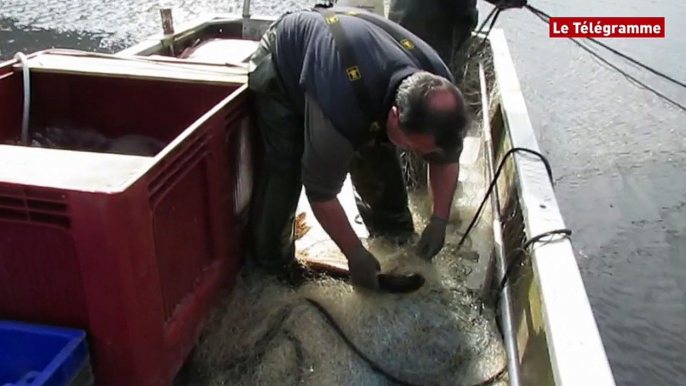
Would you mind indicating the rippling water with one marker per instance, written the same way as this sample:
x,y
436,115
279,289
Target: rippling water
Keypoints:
x,y
617,150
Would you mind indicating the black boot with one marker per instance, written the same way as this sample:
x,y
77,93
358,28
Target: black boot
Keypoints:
x,y
272,219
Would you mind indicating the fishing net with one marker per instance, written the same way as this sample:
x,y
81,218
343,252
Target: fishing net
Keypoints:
x,y
266,333
89,140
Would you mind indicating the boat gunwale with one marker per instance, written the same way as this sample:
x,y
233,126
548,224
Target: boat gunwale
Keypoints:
x,y
188,30
577,354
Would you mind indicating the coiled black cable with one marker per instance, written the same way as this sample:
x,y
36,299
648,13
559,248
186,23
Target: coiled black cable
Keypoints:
x,y
494,181
492,16
513,261
372,364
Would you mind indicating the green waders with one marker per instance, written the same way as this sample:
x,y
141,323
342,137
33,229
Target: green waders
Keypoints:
x,y
444,24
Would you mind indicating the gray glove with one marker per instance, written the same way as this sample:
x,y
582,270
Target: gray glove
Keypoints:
x,y
364,269
433,238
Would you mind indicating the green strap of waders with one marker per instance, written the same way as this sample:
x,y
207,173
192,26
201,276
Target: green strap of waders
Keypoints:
x,y
349,61
352,70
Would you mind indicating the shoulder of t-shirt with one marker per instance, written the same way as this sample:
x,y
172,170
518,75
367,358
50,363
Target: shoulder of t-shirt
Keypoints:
x,y
298,19
438,66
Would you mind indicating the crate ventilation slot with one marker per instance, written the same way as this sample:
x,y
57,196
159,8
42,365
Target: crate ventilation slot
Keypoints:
x,y
31,205
180,163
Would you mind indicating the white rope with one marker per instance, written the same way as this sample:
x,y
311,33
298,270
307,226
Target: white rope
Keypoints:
x,y
27,97
21,58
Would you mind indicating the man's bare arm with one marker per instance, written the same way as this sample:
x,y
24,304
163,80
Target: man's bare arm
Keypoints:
x,y
334,220
443,182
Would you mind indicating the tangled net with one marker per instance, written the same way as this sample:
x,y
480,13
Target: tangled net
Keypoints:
x,y
266,333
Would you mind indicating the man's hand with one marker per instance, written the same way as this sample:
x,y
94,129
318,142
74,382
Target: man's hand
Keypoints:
x,y
433,238
506,4
364,269
442,185
362,265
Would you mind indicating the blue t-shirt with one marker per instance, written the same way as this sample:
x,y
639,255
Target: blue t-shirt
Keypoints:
x,y
309,64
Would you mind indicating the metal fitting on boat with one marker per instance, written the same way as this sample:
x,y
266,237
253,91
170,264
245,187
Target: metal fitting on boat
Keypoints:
x,y
167,21
168,29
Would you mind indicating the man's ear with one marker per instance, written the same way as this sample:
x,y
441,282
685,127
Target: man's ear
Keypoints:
x,y
394,112
393,115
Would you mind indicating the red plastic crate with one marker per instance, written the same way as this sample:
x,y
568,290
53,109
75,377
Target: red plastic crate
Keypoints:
x,y
135,250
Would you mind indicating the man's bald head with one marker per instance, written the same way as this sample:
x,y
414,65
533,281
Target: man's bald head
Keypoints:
x,y
428,104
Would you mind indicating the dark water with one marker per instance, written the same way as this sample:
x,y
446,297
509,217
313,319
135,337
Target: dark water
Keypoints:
x,y
617,150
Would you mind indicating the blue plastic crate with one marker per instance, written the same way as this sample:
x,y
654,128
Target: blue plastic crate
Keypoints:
x,y
34,355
